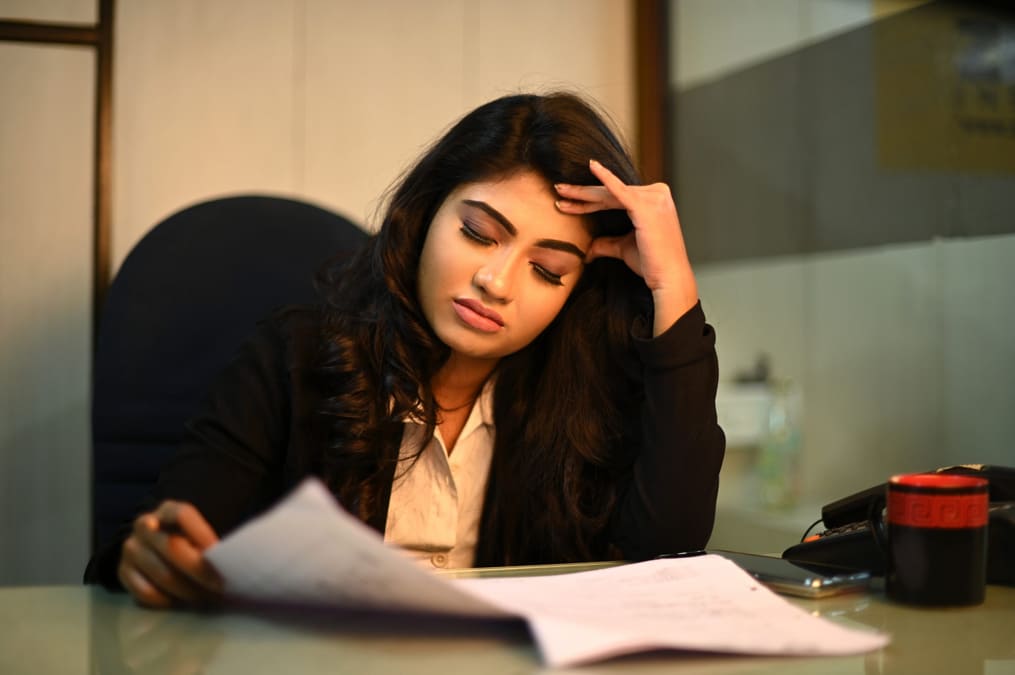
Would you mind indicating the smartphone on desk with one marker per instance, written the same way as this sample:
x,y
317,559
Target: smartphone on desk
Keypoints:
x,y
802,579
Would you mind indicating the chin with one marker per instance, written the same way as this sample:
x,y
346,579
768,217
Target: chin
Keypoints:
x,y
476,346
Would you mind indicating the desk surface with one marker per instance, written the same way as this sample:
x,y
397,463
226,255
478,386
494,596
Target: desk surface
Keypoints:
x,y
76,629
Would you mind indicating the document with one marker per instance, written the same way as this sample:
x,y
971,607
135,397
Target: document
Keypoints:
x,y
309,551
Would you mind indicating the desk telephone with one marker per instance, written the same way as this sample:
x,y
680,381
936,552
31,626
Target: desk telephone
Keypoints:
x,y
851,540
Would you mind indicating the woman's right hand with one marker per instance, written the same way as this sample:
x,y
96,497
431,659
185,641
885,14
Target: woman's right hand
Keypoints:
x,y
162,562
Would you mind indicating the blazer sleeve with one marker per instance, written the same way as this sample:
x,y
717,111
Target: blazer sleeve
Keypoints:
x,y
229,462
669,503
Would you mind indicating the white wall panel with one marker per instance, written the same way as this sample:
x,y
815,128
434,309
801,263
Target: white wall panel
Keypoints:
x,y
203,105
330,101
582,45
874,381
978,326
45,311
55,11
757,310
382,80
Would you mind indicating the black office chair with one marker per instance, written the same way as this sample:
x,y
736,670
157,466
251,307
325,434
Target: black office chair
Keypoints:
x,y
182,303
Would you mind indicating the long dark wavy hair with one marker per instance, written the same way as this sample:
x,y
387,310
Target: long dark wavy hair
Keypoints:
x,y
560,403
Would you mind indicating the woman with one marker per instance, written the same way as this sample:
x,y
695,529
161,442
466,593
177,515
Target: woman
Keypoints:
x,y
515,369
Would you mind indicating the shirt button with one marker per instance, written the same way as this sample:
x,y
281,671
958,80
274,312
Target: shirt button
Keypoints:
x,y
439,560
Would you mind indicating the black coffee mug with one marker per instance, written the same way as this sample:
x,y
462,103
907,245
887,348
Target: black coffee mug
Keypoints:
x,y
937,539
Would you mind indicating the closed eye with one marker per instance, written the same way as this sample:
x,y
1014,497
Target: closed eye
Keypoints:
x,y
471,233
547,275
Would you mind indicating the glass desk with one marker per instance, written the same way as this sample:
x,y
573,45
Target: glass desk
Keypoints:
x,y
78,629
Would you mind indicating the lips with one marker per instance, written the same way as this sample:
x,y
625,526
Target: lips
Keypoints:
x,y
477,315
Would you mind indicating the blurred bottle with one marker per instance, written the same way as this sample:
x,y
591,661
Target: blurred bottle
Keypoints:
x,y
779,450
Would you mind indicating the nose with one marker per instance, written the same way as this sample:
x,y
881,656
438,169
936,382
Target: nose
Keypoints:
x,y
496,278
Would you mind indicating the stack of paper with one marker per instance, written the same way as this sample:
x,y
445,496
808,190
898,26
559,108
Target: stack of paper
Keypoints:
x,y
309,551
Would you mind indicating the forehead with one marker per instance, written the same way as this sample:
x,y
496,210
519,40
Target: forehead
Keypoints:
x,y
527,200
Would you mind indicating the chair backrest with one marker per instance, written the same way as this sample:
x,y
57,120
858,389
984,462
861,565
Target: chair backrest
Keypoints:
x,y
180,306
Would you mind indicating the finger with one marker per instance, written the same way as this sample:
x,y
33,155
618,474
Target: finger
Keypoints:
x,y
575,208
168,578
141,589
174,546
161,574
184,519
189,521
584,193
609,247
614,185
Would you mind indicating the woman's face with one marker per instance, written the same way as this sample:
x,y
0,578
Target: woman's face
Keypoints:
x,y
498,263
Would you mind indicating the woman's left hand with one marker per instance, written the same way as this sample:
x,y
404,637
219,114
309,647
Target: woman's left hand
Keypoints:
x,y
654,249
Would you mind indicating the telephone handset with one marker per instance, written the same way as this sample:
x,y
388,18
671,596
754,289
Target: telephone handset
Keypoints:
x,y
855,524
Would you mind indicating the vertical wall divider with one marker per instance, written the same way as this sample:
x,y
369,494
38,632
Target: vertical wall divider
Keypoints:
x,y
651,61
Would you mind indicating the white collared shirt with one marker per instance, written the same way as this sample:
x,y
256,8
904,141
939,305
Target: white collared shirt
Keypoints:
x,y
437,503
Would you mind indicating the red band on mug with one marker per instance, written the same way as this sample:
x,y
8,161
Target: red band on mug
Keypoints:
x,y
937,510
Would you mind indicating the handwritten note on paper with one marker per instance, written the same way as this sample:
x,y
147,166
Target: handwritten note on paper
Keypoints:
x,y
703,603
307,550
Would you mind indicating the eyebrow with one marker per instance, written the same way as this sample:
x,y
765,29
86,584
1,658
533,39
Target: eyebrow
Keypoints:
x,y
554,244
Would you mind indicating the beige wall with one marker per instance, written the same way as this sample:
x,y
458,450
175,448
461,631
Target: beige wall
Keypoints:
x,y
330,100
57,11
323,100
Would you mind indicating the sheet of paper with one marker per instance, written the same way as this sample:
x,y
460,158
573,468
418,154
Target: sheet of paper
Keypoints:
x,y
309,551
703,603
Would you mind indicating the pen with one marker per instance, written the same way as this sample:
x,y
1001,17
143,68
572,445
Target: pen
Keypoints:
x,y
683,554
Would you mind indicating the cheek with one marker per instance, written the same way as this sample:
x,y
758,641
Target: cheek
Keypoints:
x,y
435,255
423,271
543,309
428,278
444,257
